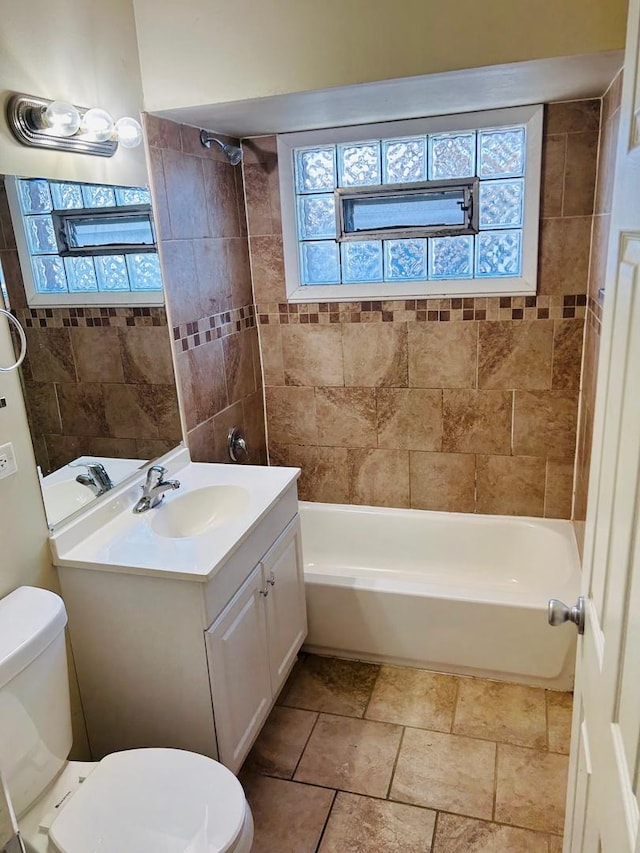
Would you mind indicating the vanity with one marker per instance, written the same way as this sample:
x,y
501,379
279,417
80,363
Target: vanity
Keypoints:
x,y
186,619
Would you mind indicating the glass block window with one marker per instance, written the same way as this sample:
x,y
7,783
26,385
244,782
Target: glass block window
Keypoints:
x,y
82,274
413,202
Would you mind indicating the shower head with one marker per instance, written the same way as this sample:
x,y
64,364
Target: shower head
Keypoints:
x,y
234,154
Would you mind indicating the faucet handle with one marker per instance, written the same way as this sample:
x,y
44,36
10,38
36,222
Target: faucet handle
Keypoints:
x,y
155,474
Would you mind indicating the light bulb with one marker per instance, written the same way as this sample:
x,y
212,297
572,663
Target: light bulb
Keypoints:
x,y
61,118
129,132
97,124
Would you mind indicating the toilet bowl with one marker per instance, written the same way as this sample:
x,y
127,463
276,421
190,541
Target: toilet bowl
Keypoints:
x,y
137,801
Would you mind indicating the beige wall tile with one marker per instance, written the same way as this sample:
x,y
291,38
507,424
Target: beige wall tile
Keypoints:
x,y
555,844
564,255
442,355
267,269
222,202
456,834
559,711
379,477
254,427
211,290
50,355
375,354
476,421
291,415
353,755
186,199
146,354
580,174
510,485
162,133
180,281
238,364
271,352
201,443
607,163
331,685
200,372
98,356
325,474
531,788
413,697
409,418
447,772
567,354
544,423
510,713
443,481
83,410
553,163
365,825
312,355
286,816
558,493
573,116
515,355
599,244
346,417
142,411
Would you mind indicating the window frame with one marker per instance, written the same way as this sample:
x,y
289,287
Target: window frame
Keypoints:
x,y
526,284
35,299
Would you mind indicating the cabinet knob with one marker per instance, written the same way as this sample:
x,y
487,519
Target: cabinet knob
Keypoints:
x,y
265,591
271,580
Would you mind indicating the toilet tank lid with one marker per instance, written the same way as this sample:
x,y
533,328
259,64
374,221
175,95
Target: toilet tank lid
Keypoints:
x,y
30,619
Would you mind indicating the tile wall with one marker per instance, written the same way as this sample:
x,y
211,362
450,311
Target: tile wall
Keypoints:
x,y
598,260
205,259
444,404
96,380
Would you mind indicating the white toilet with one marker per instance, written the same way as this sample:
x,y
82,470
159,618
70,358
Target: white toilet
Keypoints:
x,y
138,801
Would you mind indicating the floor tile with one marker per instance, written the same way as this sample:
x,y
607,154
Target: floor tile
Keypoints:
x,y
413,697
331,685
287,816
455,834
531,788
281,741
364,825
446,772
353,755
510,713
559,711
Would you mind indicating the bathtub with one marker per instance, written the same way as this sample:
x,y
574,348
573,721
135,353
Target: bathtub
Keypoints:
x,y
450,592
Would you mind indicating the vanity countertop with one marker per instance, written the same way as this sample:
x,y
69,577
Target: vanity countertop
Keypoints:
x,y
111,537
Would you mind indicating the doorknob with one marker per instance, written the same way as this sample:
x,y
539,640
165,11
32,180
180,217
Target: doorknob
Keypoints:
x,y
559,613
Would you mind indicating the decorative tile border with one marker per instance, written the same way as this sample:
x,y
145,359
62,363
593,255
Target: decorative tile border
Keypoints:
x,y
58,318
207,329
427,310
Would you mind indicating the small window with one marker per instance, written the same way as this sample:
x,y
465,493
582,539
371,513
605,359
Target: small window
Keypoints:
x,y
441,206
411,210
85,244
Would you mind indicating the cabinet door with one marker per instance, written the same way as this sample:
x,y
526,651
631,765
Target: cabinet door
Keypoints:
x,y
285,603
239,671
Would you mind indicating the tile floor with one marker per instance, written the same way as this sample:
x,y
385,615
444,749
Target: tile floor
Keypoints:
x,y
358,758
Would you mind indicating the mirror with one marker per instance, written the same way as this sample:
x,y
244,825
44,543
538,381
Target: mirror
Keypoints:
x,y
98,378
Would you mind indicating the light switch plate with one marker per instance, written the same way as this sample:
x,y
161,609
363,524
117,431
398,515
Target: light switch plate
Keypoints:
x,y
8,463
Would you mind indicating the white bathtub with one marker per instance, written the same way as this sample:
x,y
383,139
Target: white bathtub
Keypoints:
x,y
445,591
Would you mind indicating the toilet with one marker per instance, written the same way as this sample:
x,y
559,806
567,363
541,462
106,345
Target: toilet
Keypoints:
x,y
136,801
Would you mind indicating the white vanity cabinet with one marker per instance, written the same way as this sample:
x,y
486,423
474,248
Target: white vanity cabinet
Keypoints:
x,y
170,653
253,644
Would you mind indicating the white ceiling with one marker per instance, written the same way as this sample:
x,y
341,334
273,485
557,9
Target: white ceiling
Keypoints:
x,y
517,84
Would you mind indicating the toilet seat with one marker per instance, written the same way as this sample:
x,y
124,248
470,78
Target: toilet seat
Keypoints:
x,y
153,801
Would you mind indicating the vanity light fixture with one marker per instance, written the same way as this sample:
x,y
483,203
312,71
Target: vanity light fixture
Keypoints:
x,y
61,126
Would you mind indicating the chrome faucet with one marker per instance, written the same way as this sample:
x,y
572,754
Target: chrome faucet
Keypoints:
x,y
95,479
154,488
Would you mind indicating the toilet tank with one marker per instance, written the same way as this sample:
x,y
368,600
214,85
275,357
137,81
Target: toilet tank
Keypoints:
x,y
35,714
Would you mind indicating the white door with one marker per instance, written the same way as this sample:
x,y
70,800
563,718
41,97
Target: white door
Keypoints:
x,y
602,807
286,605
239,671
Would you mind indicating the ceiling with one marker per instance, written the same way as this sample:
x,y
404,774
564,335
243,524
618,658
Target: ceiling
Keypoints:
x,y
517,84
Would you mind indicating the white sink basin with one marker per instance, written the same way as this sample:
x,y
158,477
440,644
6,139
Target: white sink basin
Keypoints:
x,y
199,511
